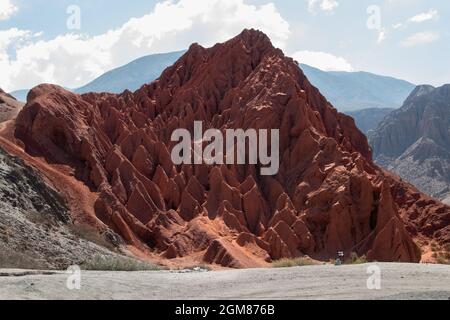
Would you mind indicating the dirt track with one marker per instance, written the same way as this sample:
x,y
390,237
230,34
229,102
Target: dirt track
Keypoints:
x,y
398,281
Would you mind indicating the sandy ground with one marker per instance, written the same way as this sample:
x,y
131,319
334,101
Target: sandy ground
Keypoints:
x,y
398,281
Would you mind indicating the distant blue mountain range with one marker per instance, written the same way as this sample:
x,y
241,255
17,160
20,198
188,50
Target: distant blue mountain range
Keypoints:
x,y
20,95
351,91
347,91
130,76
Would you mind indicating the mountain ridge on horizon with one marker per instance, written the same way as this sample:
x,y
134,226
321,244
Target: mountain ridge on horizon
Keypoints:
x,y
414,140
9,106
359,90
348,91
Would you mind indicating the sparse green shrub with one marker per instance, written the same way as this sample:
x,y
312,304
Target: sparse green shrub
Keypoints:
x,y
355,259
295,262
40,218
434,246
442,259
441,254
103,263
5,234
91,234
10,259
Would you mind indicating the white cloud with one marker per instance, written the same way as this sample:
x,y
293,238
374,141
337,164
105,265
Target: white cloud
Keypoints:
x,y
420,38
11,35
322,60
425,16
71,60
325,5
8,38
329,5
7,9
312,4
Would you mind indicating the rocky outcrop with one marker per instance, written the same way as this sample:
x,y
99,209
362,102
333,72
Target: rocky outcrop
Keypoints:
x,y
9,106
35,228
414,141
327,197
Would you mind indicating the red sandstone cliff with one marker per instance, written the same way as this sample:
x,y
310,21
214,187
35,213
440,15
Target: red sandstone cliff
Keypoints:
x,y
328,195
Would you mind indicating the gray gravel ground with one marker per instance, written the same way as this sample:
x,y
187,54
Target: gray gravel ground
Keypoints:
x,y
398,281
34,223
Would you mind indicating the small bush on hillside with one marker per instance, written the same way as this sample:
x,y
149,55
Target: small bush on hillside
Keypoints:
x,y
10,259
355,259
442,257
41,218
103,263
295,262
434,246
92,235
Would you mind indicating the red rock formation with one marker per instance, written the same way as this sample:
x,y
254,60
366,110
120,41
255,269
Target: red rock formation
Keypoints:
x,y
328,195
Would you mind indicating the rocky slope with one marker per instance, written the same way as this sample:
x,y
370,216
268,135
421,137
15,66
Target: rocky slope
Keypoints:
x,y
414,141
35,229
9,106
369,119
328,195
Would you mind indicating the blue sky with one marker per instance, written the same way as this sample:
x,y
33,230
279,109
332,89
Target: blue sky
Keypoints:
x,y
408,39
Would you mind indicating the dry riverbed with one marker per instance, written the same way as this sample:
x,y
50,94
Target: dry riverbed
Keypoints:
x,y
398,281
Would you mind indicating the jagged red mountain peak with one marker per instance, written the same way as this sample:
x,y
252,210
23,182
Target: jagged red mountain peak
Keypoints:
x,y
327,196
231,61
252,64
